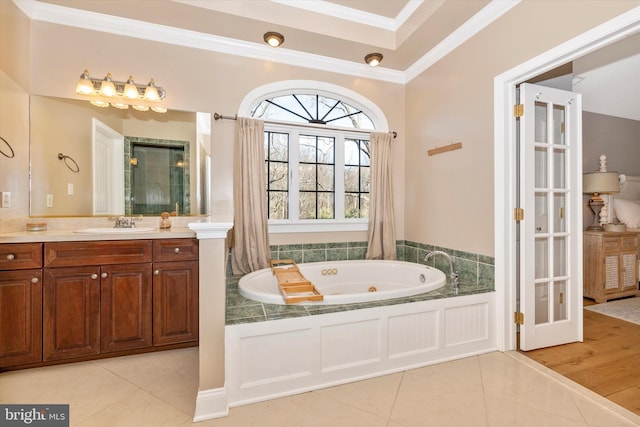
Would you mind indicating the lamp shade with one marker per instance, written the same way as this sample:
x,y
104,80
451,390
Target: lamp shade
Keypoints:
x,y
600,182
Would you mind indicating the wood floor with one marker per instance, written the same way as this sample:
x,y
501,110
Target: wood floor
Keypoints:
x,y
607,362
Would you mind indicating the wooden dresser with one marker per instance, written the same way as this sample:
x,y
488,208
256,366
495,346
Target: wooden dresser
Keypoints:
x,y
610,265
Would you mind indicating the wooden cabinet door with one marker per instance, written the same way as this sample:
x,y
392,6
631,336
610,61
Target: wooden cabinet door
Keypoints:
x,y
71,312
125,310
175,302
629,268
20,317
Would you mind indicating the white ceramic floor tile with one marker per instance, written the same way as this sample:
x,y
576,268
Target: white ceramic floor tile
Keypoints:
x,y
178,368
159,389
139,409
85,386
434,401
376,395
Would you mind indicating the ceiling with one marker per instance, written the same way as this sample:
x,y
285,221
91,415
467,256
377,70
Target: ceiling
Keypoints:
x,y
334,34
411,34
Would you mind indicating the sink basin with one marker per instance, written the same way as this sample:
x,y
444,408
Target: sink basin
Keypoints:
x,y
113,230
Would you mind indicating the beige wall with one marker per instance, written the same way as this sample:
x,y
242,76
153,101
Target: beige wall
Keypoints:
x,y
445,199
14,112
449,197
195,80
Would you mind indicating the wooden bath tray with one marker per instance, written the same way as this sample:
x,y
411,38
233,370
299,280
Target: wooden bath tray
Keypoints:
x,y
294,287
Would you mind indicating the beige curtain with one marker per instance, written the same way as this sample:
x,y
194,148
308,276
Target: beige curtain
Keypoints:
x,y
251,243
382,233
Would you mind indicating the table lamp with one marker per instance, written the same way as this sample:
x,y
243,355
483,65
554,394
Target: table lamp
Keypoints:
x,y
597,183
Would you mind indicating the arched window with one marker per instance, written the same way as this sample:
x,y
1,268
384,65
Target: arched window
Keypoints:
x,y
317,157
312,108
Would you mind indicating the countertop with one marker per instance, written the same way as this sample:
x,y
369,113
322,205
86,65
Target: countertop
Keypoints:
x,y
72,236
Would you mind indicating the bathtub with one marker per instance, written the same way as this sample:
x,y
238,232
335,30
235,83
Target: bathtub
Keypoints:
x,y
306,347
346,282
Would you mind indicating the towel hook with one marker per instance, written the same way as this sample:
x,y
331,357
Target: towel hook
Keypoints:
x,y
69,162
8,156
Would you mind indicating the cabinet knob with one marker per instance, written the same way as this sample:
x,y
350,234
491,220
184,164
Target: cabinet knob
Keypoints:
x,y
34,280
103,275
11,257
94,276
156,272
176,250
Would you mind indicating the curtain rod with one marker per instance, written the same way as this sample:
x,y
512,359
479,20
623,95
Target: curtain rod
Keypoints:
x,y
217,117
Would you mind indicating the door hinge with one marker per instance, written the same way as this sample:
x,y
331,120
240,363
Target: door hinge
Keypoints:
x,y
518,110
518,214
518,318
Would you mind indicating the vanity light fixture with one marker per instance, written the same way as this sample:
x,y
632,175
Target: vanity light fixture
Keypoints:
x,y
273,39
108,92
373,59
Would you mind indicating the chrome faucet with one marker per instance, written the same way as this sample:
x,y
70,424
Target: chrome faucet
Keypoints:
x,y
124,222
454,274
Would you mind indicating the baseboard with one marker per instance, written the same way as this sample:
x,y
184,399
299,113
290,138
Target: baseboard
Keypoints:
x,y
211,404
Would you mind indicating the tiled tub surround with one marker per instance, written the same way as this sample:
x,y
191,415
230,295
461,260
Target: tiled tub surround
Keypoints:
x,y
474,269
278,350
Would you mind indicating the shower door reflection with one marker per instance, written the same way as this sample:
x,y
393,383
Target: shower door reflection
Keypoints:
x,y
159,177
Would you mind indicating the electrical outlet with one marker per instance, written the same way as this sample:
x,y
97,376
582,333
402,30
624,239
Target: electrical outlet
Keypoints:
x,y
70,189
49,200
6,199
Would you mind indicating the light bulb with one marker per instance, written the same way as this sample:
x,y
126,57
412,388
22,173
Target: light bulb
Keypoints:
x,y
107,88
151,92
130,89
85,85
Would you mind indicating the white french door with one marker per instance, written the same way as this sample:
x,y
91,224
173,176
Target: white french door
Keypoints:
x,y
550,192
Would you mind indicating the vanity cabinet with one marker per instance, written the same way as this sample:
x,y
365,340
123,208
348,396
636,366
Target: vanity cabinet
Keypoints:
x,y
20,303
97,298
175,291
610,265
68,301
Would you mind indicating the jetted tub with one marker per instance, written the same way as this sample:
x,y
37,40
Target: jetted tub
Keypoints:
x,y
345,282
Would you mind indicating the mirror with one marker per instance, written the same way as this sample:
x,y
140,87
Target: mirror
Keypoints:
x,y
92,161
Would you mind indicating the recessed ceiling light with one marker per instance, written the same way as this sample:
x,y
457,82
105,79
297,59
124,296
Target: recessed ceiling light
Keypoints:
x,y
273,39
373,59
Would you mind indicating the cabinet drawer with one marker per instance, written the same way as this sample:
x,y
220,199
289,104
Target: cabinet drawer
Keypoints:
x,y
611,243
175,250
20,256
629,242
70,254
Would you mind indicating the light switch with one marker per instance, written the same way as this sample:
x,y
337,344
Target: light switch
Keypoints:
x,y
49,200
70,189
6,199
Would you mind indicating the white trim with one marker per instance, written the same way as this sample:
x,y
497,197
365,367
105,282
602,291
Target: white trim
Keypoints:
x,y
211,230
212,403
55,14
282,87
355,15
504,159
479,21
317,227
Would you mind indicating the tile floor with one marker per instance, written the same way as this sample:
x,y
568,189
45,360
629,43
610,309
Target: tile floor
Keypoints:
x,y
159,389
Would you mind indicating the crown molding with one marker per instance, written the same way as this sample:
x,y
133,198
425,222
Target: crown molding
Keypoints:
x,y
55,14
355,15
478,22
